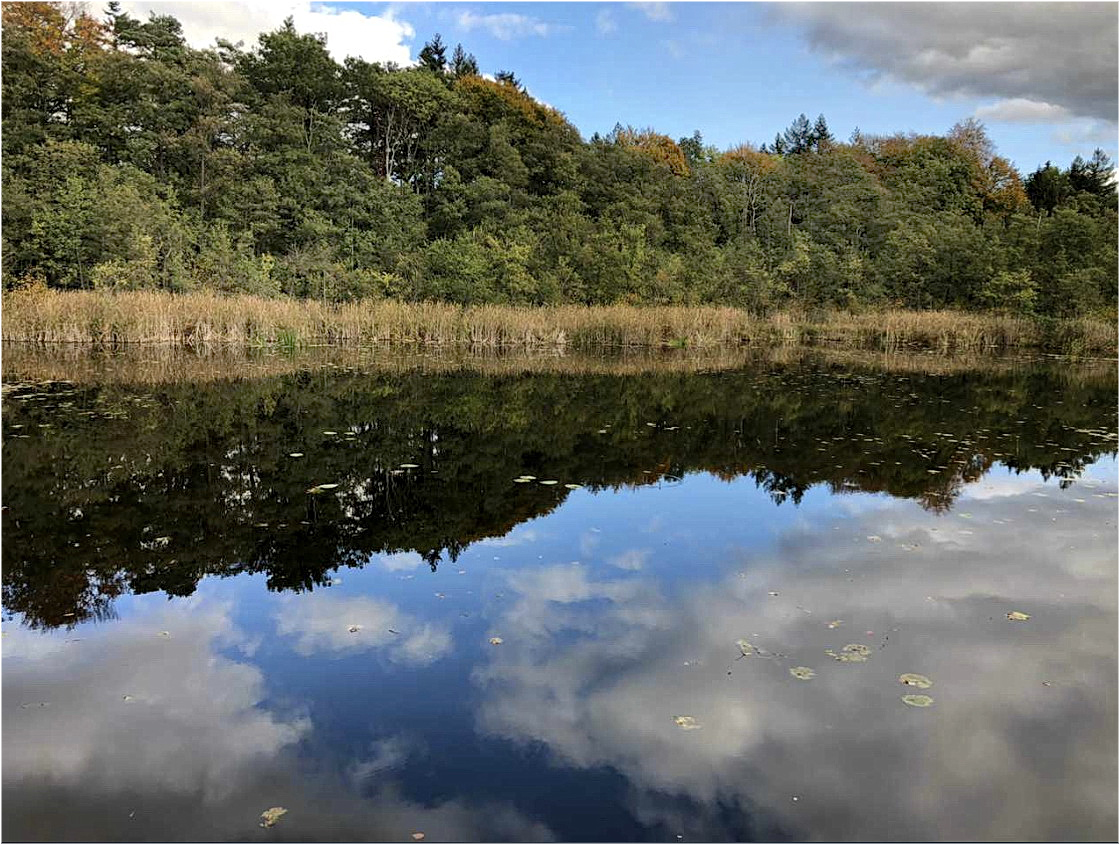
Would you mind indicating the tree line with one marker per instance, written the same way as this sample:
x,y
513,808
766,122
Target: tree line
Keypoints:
x,y
132,160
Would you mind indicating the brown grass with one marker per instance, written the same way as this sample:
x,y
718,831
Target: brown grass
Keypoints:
x,y
201,321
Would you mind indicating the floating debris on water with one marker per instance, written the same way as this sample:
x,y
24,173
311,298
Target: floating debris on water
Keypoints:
x,y
271,816
802,673
496,641
917,700
550,482
911,680
851,653
320,488
686,723
835,623
353,629
1016,616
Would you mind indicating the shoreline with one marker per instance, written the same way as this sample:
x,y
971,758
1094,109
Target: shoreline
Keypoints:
x,y
201,321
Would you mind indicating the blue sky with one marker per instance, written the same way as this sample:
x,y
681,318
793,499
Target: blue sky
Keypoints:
x,y
1041,76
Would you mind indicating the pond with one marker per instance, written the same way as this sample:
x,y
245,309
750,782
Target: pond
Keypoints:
x,y
787,598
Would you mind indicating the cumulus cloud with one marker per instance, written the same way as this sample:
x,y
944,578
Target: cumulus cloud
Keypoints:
x,y
506,26
323,623
1060,54
596,670
190,724
196,752
375,38
1022,110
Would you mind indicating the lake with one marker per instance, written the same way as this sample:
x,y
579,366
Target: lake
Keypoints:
x,y
802,596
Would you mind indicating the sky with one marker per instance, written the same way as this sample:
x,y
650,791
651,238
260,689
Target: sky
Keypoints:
x,y
1042,77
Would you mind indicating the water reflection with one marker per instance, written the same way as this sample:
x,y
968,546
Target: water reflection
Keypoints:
x,y
149,730
110,489
1019,744
193,636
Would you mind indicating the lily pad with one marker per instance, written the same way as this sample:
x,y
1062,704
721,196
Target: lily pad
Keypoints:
x,y
802,673
917,700
1016,616
851,653
911,680
271,816
686,723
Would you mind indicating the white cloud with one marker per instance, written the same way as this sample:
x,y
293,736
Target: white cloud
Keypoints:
x,y
605,23
401,561
505,26
1022,110
598,682
659,12
380,38
192,723
322,623
1063,54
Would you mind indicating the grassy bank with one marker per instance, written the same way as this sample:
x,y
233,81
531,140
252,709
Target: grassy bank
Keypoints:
x,y
202,320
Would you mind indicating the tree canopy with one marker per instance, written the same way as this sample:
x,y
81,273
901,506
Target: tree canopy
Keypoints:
x,y
134,160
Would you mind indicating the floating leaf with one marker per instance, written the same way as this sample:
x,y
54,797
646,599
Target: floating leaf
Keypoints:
x,y
1016,616
522,480
917,700
329,433
851,653
550,482
496,641
410,466
271,816
529,477
296,455
320,488
911,680
573,486
802,673
686,723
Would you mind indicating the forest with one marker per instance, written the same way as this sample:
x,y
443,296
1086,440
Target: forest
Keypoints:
x,y
134,161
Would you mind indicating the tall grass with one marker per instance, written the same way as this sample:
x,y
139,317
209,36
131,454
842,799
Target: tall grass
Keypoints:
x,y
205,320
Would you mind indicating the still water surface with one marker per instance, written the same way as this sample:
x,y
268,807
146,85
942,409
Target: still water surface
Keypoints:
x,y
200,626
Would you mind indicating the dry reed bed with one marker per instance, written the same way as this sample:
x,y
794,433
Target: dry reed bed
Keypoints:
x,y
204,320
